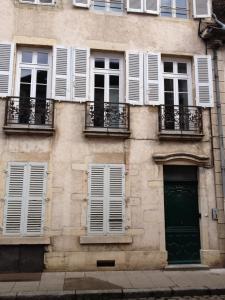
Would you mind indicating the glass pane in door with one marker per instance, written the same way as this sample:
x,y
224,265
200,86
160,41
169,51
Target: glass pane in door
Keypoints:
x,y
41,95
169,104
183,104
113,114
24,100
99,94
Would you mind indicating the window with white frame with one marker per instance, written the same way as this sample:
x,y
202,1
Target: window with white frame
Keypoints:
x,y
25,197
106,190
107,5
174,8
44,2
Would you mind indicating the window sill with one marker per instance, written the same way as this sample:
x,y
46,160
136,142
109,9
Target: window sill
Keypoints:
x,y
106,239
106,132
28,129
24,240
180,135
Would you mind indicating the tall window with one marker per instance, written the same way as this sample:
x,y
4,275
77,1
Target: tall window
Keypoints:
x,y
174,8
108,5
33,84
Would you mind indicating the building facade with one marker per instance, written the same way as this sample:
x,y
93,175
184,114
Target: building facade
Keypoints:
x,y
106,142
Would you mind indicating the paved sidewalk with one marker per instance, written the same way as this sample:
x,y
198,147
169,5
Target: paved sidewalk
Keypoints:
x,y
115,284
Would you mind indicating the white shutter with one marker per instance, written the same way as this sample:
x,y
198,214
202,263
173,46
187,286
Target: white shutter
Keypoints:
x,y
96,191
6,67
80,74
153,79
61,73
134,78
116,199
135,5
203,80
36,198
151,7
201,8
15,185
81,3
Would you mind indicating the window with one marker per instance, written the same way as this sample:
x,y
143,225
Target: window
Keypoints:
x,y
33,84
174,8
39,1
106,199
108,5
25,196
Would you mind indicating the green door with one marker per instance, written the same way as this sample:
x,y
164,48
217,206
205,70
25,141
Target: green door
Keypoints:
x,y
182,222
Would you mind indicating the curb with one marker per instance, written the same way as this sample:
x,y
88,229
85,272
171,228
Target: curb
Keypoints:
x,y
114,294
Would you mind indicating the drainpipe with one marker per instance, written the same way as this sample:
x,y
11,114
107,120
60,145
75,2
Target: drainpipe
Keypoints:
x,y
219,119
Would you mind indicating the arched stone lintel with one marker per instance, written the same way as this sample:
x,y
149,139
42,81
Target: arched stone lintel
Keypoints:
x,y
181,157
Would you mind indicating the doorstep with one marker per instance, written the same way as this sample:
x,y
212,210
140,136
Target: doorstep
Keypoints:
x,y
188,267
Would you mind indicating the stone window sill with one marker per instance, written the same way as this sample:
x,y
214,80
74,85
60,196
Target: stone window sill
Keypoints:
x,y
24,240
106,239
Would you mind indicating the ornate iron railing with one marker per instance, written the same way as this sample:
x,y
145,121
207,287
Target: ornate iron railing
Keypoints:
x,y
180,118
107,115
29,111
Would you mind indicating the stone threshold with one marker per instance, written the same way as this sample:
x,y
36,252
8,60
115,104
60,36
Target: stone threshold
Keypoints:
x,y
186,267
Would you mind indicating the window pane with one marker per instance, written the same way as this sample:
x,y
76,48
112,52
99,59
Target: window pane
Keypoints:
x,y
168,85
25,90
169,98
99,4
114,88
114,81
183,99
182,68
27,56
116,5
41,91
182,85
25,76
99,81
166,8
46,1
42,58
42,76
100,63
114,95
168,67
114,64
181,9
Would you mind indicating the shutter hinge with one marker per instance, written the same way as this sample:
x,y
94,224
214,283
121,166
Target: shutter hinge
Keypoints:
x,y
6,172
3,200
47,199
127,227
85,199
46,228
48,172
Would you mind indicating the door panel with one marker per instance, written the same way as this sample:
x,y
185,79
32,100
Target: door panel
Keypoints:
x,y
182,222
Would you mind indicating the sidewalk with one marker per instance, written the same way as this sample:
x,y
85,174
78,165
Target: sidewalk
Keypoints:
x,y
112,284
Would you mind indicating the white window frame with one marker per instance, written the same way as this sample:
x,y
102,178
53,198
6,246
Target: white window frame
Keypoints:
x,y
107,7
34,66
176,76
174,10
53,2
106,71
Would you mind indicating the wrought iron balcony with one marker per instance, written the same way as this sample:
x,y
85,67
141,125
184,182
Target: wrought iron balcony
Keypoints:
x,y
29,114
180,121
109,118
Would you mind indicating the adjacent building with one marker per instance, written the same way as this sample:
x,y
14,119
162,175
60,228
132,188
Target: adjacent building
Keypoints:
x,y
108,139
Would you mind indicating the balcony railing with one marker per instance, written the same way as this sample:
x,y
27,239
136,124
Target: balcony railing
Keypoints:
x,y
32,113
179,119
107,117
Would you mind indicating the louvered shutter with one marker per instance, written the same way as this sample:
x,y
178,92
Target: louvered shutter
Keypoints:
x,y
204,80
201,8
6,66
153,79
80,74
135,5
15,189
81,3
116,199
36,198
61,73
96,191
134,78
151,7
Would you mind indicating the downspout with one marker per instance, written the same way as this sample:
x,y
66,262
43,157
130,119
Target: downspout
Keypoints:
x,y
219,119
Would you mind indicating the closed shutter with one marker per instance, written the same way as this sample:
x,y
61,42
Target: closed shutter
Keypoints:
x,y
204,80
6,66
14,198
61,73
80,74
81,3
151,7
135,5
134,78
36,198
153,79
116,199
201,8
96,191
